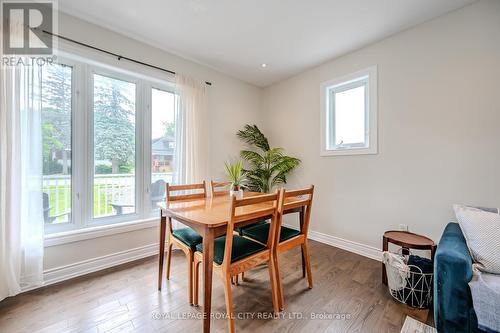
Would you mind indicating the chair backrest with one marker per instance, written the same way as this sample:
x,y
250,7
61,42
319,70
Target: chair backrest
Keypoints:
x,y
296,199
217,185
201,187
262,206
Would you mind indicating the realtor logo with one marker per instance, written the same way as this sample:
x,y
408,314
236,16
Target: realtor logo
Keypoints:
x,y
23,24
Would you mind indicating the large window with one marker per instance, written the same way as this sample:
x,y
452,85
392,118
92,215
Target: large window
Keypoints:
x,y
108,144
349,114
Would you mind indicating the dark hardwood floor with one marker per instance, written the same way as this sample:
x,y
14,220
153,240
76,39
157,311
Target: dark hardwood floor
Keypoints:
x,y
347,288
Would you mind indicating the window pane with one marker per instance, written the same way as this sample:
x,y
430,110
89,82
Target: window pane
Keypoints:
x,y
162,142
114,146
350,116
56,141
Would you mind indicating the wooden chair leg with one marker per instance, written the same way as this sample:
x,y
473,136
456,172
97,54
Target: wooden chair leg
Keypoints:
x,y
169,257
196,277
303,263
279,283
229,302
235,279
162,250
272,280
190,277
242,276
305,250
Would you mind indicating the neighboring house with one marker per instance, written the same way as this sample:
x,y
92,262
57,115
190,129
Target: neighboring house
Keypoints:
x,y
162,151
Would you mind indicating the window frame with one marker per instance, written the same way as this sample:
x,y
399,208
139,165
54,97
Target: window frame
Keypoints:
x,y
366,78
139,185
84,66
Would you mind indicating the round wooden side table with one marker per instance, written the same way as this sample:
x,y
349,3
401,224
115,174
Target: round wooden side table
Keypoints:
x,y
407,240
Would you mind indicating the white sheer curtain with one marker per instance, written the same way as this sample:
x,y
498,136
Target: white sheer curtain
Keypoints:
x,y
191,160
191,132
21,212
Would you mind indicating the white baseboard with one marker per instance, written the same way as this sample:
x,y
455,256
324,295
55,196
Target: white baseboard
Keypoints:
x,y
73,270
344,244
66,272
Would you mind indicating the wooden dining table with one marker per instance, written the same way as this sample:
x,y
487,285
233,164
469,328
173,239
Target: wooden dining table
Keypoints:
x,y
209,217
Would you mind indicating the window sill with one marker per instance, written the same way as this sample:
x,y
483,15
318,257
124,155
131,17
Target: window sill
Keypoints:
x,y
98,231
349,151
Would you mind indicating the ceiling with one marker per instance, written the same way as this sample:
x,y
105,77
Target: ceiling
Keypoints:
x,y
236,36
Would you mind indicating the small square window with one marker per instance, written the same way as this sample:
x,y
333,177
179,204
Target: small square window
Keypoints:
x,y
349,114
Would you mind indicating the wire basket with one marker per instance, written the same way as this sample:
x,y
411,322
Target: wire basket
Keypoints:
x,y
409,285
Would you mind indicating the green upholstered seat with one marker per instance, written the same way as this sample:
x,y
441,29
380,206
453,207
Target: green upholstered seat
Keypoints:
x,y
261,233
242,248
188,236
239,230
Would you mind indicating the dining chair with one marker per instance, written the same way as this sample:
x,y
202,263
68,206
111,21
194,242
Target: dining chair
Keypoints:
x,y
214,186
184,238
288,238
234,254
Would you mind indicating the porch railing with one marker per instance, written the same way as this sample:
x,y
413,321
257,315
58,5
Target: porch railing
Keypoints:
x,y
108,189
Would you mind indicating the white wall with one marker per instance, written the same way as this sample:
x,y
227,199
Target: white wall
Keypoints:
x,y
232,103
439,129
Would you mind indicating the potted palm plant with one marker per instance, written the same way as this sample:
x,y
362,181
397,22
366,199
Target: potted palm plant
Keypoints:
x,y
236,177
267,166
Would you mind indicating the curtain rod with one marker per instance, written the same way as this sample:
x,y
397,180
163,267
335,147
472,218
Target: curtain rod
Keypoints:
x,y
119,57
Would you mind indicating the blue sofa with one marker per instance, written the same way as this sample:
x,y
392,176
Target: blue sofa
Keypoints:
x,y
453,311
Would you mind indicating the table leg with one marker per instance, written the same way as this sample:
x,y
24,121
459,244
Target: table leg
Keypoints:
x,y
163,223
384,248
208,257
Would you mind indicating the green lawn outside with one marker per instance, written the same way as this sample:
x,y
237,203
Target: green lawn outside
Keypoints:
x,y
64,198
58,188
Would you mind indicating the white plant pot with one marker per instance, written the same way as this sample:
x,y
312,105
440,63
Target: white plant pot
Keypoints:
x,y
238,194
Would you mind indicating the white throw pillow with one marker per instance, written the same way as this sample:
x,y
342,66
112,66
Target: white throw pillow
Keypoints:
x,y
482,233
